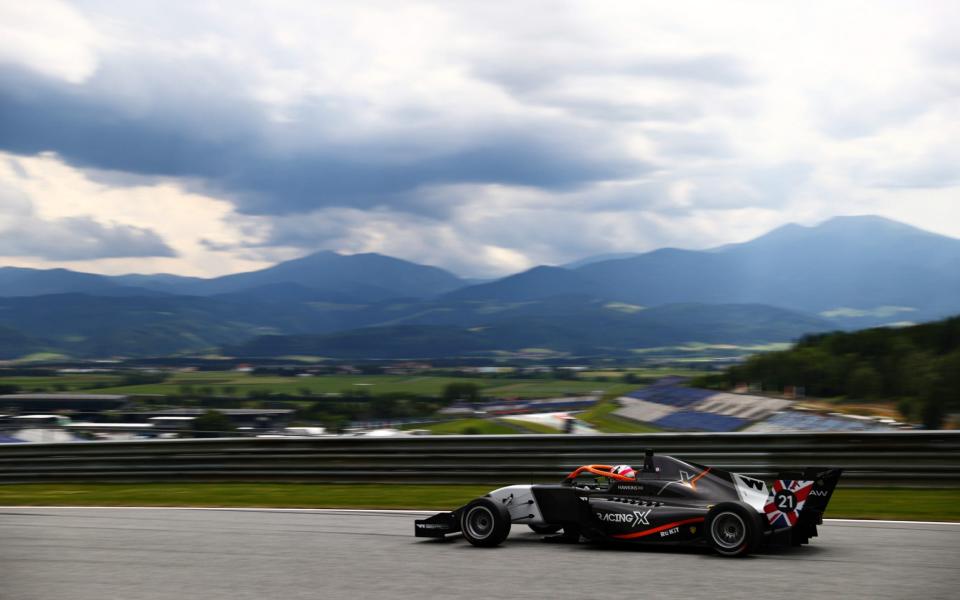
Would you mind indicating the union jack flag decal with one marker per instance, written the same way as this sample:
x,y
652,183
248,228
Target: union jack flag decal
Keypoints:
x,y
786,501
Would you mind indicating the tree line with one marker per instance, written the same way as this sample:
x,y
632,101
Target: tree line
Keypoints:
x,y
918,367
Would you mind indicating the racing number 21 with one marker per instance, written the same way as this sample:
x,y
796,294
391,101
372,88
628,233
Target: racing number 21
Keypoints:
x,y
786,501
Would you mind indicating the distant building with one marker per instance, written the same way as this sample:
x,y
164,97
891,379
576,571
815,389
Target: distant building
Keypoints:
x,y
256,418
407,368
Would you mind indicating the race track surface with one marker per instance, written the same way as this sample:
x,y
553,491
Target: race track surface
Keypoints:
x,y
125,554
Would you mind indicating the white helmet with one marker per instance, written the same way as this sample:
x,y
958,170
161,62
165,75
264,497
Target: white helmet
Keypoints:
x,y
625,470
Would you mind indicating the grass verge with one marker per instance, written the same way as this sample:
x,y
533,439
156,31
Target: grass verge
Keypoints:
x,y
531,426
601,417
853,503
470,427
258,495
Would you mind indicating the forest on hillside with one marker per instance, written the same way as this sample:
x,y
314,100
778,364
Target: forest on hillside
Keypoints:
x,y
918,367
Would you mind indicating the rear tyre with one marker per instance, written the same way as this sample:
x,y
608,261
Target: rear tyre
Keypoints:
x,y
545,529
733,529
485,523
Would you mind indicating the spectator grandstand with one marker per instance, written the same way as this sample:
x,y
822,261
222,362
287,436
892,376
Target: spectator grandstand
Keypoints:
x,y
670,405
791,420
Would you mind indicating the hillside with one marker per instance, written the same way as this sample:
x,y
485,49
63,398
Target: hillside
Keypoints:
x,y
366,277
327,275
101,326
859,271
589,329
17,281
918,367
846,273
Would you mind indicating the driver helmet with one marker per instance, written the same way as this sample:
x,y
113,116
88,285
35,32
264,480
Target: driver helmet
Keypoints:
x,y
625,470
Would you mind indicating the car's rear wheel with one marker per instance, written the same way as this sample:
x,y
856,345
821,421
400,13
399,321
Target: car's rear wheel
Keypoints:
x,y
485,523
545,529
733,529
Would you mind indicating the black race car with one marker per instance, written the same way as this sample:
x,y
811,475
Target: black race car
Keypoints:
x,y
667,501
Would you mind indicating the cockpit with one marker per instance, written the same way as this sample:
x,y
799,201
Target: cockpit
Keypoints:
x,y
654,468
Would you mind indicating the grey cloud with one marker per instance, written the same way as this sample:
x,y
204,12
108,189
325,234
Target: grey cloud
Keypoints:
x,y
80,238
196,125
938,173
686,143
23,233
713,69
623,111
534,73
458,244
18,169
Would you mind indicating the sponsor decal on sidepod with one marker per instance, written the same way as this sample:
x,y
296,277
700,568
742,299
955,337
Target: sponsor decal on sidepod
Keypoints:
x,y
638,517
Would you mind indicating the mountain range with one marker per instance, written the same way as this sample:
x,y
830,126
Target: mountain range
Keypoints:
x,y
847,272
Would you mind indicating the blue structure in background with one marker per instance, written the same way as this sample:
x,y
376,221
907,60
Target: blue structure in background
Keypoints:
x,y
688,412
695,420
797,421
671,395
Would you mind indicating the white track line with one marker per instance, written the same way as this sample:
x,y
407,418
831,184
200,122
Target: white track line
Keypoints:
x,y
890,522
377,511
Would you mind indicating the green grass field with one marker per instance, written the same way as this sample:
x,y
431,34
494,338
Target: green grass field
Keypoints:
x,y
470,426
240,384
854,503
530,426
601,415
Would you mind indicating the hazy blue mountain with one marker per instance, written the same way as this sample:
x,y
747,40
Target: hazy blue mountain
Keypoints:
x,y
535,284
159,282
589,260
103,326
343,278
16,281
14,344
360,277
857,263
852,271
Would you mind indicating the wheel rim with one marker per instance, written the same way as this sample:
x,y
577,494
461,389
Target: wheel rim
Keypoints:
x,y
479,522
728,530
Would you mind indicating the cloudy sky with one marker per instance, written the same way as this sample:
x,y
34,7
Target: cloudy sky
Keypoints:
x,y
208,137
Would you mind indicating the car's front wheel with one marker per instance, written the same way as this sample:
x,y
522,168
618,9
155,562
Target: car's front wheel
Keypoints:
x,y
733,529
485,523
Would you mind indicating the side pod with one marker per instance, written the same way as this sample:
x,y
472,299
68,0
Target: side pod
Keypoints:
x,y
438,526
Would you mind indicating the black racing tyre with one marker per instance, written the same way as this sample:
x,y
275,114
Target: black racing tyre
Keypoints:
x,y
545,529
485,523
733,529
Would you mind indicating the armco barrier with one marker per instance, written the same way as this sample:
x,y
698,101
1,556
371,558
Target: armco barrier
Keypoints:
x,y
918,458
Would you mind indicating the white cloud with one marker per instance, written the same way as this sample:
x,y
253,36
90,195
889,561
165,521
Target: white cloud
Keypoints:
x,y
51,213
50,37
722,120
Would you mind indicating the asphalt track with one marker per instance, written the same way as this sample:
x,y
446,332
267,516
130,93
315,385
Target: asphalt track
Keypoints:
x,y
127,554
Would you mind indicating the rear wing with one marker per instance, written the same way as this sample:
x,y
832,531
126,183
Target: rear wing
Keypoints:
x,y
798,500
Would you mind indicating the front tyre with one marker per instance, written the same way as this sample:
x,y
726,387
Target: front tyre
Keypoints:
x,y
733,529
485,523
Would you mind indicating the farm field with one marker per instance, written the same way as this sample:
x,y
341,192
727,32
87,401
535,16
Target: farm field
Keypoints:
x,y
240,384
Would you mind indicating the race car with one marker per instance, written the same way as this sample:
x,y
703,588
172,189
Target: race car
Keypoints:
x,y
665,501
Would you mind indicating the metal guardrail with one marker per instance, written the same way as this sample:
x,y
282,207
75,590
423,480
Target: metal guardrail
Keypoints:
x,y
915,458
